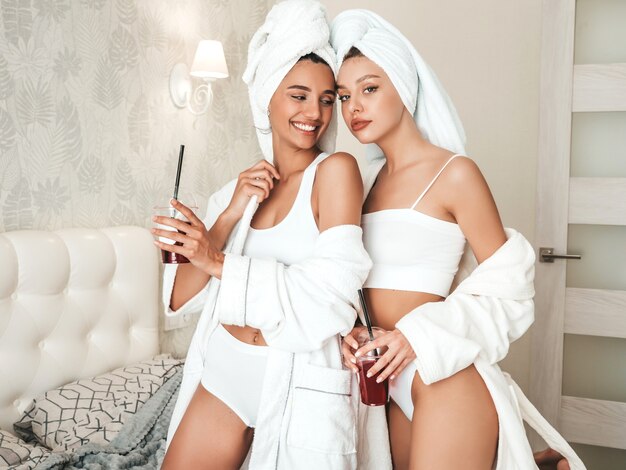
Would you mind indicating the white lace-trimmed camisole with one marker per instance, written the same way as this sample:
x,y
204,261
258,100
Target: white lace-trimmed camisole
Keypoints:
x,y
412,251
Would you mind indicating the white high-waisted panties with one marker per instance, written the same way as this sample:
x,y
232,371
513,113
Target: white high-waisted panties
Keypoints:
x,y
400,389
234,373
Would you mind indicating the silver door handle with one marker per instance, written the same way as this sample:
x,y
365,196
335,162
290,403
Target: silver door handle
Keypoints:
x,y
546,255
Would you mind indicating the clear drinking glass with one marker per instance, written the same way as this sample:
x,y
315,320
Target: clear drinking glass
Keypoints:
x,y
163,208
372,392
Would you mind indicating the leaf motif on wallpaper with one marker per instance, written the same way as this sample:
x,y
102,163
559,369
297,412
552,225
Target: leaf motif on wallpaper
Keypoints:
x,y
123,49
17,18
17,212
240,123
152,31
90,40
247,16
34,103
97,4
107,89
139,125
69,134
51,197
217,144
91,176
127,11
125,184
176,51
218,106
6,82
235,53
149,193
89,212
66,63
7,132
122,215
53,9
10,169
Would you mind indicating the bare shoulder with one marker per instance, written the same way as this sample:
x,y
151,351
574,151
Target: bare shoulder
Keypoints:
x,y
339,191
463,177
338,169
464,170
339,161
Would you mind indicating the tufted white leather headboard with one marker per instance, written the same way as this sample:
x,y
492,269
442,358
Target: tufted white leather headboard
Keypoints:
x,y
73,303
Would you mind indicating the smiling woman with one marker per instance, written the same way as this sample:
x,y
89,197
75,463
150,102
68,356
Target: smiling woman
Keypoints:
x,y
287,277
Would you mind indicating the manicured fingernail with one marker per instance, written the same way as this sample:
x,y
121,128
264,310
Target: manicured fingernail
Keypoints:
x,y
369,374
357,354
392,377
379,380
353,360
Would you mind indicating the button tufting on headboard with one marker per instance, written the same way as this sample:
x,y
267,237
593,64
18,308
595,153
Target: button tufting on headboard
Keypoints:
x,y
73,303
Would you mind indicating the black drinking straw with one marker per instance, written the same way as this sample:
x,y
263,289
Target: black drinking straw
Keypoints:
x,y
180,165
368,321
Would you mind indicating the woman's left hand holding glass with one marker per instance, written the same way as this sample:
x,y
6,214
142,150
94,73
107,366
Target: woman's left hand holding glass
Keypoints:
x,y
398,353
194,237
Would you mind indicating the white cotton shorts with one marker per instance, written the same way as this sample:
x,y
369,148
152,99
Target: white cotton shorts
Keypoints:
x,y
234,373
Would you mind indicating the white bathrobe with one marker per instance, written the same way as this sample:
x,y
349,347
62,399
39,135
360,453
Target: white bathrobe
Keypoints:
x,y
310,405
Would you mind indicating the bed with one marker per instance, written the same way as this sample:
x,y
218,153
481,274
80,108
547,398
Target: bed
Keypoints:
x,y
79,347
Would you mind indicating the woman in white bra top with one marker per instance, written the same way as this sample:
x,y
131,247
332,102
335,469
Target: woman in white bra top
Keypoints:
x,y
425,202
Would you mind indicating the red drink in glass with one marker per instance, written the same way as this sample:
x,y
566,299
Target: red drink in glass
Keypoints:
x,y
173,258
372,392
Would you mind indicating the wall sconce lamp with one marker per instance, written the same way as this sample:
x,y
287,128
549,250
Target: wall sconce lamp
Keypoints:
x,y
208,64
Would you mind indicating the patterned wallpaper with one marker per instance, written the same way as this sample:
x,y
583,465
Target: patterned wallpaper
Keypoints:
x,y
89,136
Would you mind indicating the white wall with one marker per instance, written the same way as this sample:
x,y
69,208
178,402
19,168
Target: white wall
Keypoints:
x,y
486,53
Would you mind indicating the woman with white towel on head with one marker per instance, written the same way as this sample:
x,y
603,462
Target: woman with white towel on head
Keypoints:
x,y
451,406
277,285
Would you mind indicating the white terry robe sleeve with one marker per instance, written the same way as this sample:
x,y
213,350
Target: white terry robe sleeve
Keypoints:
x,y
487,312
300,306
216,205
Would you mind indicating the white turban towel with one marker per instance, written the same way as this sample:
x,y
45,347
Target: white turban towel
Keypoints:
x,y
418,87
292,29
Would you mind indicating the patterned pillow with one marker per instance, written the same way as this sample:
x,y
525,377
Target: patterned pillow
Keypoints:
x,y
19,455
93,410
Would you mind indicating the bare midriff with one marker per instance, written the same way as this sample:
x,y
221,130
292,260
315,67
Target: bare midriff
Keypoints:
x,y
246,334
387,306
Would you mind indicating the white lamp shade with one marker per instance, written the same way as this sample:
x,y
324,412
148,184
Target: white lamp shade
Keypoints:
x,y
209,61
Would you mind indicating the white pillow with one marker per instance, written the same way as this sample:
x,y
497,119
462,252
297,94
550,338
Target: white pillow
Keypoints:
x,y
93,410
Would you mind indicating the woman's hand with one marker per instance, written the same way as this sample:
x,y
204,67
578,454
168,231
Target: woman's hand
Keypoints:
x,y
258,180
550,459
194,237
398,354
348,346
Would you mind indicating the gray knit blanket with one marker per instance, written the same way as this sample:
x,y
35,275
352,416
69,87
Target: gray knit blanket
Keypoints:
x,y
139,445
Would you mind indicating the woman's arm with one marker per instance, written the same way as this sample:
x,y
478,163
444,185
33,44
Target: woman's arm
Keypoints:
x,y
470,201
299,307
203,241
189,278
